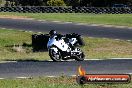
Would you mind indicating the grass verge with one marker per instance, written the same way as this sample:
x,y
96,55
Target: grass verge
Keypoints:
x,y
94,48
109,19
57,82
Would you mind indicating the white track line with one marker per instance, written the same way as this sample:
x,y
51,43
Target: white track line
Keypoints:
x,y
121,58
2,78
23,77
68,22
51,76
22,18
71,60
73,75
57,21
8,61
39,32
81,23
30,31
107,25
42,20
3,28
129,28
93,25
129,40
117,39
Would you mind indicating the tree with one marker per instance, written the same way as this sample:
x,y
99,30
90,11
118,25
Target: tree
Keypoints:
x,y
1,2
73,2
56,3
29,2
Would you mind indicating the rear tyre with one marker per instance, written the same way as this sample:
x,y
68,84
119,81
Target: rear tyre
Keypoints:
x,y
54,54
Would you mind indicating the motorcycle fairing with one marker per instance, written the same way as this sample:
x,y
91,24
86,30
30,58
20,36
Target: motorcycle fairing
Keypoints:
x,y
60,44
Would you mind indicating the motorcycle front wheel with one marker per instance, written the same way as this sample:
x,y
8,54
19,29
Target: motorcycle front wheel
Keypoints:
x,y
80,57
54,54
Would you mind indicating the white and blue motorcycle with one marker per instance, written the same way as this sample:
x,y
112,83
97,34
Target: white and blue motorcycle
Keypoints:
x,y
64,48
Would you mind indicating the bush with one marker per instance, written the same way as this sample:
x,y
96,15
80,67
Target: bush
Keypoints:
x,y
2,2
56,3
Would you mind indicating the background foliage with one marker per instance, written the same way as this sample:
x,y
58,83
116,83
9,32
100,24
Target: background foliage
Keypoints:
x,y
90,3
56,3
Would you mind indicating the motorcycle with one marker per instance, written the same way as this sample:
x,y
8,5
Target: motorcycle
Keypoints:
x,y
65,47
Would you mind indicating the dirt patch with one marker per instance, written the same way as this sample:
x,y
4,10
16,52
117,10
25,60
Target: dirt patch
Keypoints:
x,y
14,17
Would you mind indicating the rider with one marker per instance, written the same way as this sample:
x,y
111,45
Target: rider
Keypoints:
x,y
53,33
57,36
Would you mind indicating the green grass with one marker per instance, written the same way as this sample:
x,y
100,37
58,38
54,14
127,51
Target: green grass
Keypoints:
x,y
107,48
9,38
94,48
59,82
109,19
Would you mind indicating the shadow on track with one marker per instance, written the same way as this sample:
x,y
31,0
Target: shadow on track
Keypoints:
x,y
32,60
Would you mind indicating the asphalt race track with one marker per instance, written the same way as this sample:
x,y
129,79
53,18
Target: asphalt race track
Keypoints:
x,y
49,68
86,30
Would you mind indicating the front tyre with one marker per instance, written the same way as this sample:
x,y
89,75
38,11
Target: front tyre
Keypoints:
x,y
54,54
80,57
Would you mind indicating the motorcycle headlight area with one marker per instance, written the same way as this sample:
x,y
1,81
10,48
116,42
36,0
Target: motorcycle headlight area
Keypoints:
x,y
55,49
69,49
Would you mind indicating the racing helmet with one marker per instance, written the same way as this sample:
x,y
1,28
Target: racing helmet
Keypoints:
x,y
52,32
